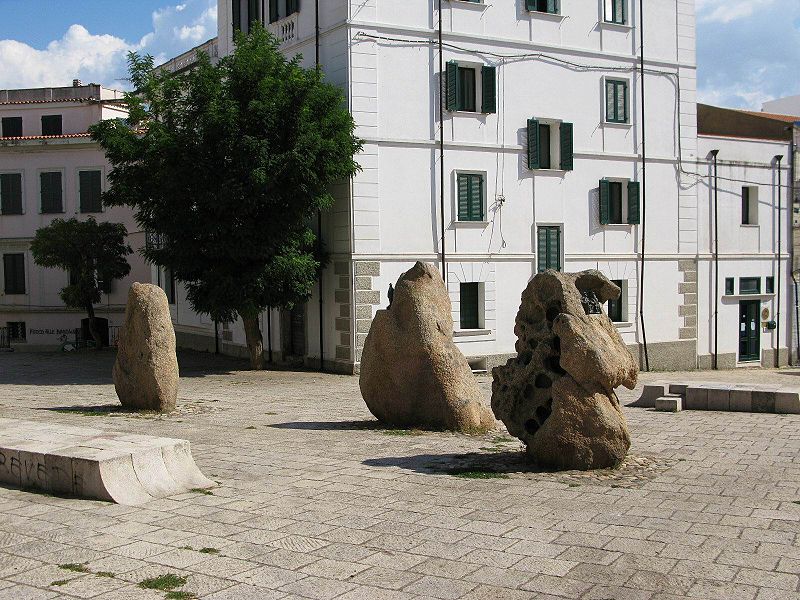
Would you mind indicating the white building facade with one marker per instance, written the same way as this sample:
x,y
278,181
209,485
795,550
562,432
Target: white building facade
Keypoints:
x,y
49,169
512,144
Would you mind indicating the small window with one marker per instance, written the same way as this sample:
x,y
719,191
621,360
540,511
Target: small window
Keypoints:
x,y
616,308
749,285
749,205
545,6
11,193
12,127
616,101
769,285
470,197
548,248
470,305
615,11
463,82
16,331
550,145
729,286
619,202
14,273
90,191
51,125
279,9
51,192
466,89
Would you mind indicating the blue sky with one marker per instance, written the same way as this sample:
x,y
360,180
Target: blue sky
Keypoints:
x,y
748,51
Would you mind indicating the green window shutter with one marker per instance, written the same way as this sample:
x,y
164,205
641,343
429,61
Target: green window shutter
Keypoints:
x,y
541,250
548,248
51,192
476,198
468,305
11,194
273,11
292,6
621,17
236,11
489,89
633,203
533,144
52,125
463,197
552,6
14,273
622,100
566,147
90,191
605,202
451,85
530,4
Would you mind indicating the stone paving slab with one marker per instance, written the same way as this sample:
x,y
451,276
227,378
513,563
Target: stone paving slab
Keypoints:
x,y
316,500
90,463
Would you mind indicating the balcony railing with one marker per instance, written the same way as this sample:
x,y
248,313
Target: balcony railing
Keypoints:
x,y
5,340
285,29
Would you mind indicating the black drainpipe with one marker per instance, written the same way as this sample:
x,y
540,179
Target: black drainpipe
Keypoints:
x,y
716,261
644,190
319,212
778,159
441,146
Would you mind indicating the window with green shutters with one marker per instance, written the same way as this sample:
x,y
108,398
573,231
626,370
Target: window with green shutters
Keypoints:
x,y
11,126
14,273
619,202
540,146
548,248
470,197
461,88
11,193
51,192
90,191
545,6
616,101
615,11
469,305
52,125
616,307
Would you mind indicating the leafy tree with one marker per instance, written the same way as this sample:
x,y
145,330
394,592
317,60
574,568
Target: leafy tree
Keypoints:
x,y
228,164
92,253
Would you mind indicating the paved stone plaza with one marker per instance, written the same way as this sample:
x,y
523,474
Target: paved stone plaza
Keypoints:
x,y
316,501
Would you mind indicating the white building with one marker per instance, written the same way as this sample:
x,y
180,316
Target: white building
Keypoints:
x,y
532,157
50,168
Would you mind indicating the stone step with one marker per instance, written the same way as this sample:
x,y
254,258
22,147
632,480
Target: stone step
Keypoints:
x,y
669,403
84,462
650,393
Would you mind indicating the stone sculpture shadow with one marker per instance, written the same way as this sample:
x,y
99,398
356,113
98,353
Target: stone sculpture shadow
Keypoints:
x,y
329,425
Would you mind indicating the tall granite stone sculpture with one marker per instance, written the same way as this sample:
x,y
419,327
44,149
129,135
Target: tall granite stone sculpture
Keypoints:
x,y
146,371
557,395
412,374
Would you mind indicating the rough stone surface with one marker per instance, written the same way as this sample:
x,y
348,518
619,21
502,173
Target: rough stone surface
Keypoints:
x,y
146,371
412,374
557,395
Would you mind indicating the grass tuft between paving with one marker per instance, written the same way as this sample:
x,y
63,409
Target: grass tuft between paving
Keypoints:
x,y
74,567
208,551
164,583
478,474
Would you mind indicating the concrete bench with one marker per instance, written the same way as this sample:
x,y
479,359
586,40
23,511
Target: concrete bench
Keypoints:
x,y
89,463
740,397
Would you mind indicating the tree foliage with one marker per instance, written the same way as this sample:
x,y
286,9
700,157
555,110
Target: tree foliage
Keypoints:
x,y
228,164
94,254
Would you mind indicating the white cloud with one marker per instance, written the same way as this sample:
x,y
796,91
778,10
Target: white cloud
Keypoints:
x,y
102,58
725,11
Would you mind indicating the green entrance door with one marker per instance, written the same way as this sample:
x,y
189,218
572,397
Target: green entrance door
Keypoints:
x,y
749,334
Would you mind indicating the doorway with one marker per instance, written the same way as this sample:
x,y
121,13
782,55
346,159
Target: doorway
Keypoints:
x,y
749,331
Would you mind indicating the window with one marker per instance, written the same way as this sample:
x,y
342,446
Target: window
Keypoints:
x,y
619,202
550,143
749,205
12,127
749,285
279,9
462,85
545,6
470,197
14,273
470,305
16,331
11,193
616,101
169,285
51,192
729,286
549,248
51,125
615,11
90,191
616,308
769,285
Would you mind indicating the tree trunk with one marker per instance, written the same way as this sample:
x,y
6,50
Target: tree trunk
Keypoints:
x,y
255,343
98,341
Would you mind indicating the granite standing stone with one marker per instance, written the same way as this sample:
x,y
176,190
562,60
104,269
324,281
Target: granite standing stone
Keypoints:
x,y
146,371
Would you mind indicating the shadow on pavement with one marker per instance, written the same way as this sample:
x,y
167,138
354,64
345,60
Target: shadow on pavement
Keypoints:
x,y
329,425
473,463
